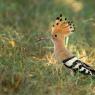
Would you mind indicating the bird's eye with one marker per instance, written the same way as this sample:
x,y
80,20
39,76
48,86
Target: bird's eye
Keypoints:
x,y
55,35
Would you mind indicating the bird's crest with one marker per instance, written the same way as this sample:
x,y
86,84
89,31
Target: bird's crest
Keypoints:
x,y
62,26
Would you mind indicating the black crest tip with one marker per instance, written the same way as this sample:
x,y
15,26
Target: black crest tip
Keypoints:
x,y
57,18
57,23
65,18
60,15
60,19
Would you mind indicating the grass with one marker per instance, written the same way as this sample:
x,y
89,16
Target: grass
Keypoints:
x,y
26,64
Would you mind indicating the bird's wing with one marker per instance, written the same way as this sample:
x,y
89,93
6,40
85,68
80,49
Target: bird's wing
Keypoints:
x,y
77,65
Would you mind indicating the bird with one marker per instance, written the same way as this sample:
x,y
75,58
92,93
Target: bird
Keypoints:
x,y
61,29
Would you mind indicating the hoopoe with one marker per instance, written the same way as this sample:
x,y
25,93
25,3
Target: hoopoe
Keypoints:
x,y
61,29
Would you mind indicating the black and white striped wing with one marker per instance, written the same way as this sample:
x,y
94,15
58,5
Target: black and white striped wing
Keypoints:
x,y
75,64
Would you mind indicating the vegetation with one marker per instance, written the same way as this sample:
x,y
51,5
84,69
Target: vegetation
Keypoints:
x,y
26,63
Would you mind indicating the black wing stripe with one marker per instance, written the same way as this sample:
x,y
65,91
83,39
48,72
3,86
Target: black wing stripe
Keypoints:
x,y
74,64
83,71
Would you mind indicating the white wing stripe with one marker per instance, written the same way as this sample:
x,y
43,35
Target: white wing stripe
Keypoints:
x,y
86,71
70,62
81,69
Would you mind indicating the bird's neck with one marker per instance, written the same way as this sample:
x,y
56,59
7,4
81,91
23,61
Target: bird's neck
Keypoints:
x,y
61,51
58,45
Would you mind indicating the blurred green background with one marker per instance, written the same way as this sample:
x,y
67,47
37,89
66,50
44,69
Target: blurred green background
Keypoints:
x,y
25,67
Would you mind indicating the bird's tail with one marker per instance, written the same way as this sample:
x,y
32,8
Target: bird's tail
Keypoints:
x,y
93,72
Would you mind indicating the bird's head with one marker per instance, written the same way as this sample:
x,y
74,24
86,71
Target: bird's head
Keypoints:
x,y
61,28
